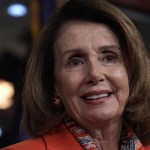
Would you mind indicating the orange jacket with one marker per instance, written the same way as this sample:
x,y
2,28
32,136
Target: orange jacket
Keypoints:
x,y
57,139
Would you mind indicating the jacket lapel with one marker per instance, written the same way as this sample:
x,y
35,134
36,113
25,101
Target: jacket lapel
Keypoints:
x,y
61,139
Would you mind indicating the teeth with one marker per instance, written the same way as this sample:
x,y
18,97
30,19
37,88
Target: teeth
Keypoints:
x,y
96,96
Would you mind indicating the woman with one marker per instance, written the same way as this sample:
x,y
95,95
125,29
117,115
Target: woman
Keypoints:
x,y
87,82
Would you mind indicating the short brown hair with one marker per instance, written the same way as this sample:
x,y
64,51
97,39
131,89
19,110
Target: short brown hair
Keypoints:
x,y
40,114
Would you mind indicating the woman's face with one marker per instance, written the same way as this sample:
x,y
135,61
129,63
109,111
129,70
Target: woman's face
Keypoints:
x,y
91,77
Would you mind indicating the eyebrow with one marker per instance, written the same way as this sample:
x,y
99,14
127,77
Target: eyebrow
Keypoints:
x,y
74,50
80,50
106,47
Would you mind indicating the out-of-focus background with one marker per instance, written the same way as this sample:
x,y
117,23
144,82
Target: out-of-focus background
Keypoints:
x,y
20,22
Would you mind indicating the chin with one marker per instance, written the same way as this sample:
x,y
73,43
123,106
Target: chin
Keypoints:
x,y
103,116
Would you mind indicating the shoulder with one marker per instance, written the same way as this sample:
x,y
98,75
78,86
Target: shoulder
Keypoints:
x,y
30,144
147,147
56,139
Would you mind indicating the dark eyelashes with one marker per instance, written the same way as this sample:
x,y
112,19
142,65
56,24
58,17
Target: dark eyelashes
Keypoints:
x,y
76,60
110,54
110,57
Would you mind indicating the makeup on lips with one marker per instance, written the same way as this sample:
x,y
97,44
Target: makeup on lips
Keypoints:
x,y
96,97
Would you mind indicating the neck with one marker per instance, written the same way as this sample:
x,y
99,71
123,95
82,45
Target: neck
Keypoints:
x,y
107,136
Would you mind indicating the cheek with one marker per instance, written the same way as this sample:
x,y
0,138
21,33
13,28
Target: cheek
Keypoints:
x,y
121,77
122,84
68,83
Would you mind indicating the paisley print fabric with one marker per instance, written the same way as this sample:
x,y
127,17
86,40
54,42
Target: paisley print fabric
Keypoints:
x,y
128,139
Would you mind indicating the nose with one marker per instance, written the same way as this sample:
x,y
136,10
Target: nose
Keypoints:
x,y
95,73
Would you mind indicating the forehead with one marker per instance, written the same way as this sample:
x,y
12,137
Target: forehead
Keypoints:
x,y
78,32
79,27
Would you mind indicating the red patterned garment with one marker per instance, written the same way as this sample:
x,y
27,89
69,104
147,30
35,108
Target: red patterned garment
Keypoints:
x,y
128,139
59,138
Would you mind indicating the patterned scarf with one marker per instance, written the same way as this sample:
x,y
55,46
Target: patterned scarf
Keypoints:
x,y
128,139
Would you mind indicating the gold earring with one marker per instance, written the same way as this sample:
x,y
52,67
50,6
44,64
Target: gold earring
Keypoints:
x,y
56,100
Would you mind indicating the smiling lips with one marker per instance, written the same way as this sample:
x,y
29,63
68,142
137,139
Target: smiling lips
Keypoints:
x,y
96,96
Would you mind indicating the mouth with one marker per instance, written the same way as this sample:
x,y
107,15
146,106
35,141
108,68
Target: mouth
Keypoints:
x,y
91,96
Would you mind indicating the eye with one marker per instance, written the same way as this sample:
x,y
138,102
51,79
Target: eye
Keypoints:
x,y
75,61
110,57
